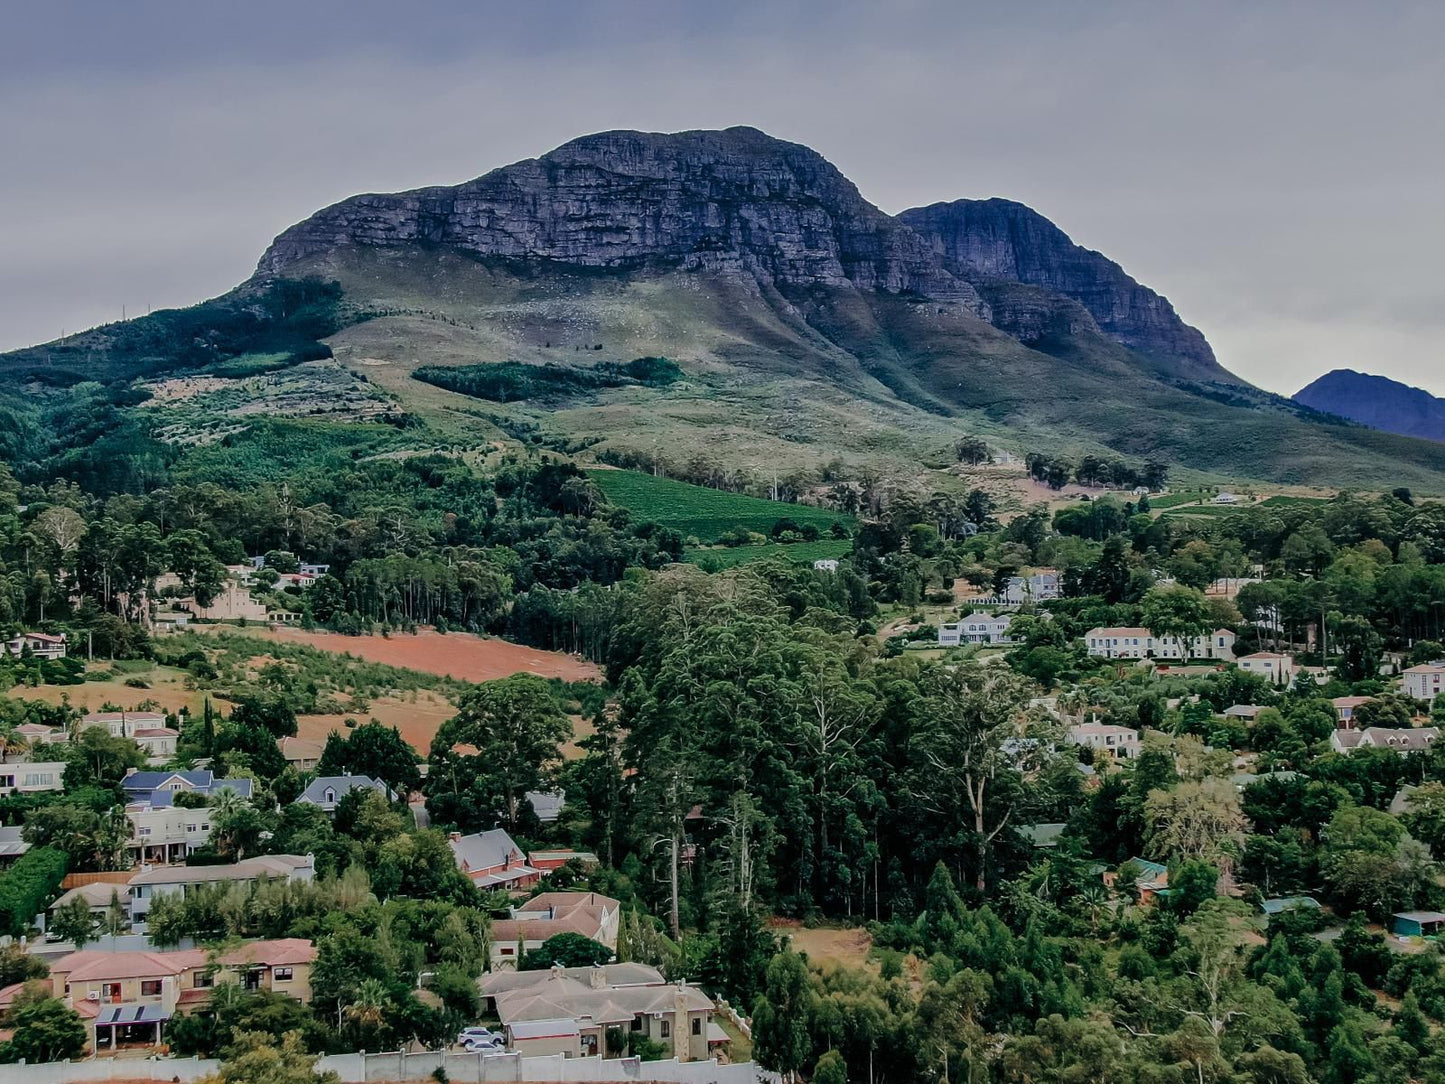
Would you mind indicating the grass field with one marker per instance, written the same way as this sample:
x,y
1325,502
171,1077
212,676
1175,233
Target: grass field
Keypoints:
x,y
804,552
1285,502
1174,500
700,512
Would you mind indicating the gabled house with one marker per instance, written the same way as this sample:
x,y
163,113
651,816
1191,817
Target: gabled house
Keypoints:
x,y
157,788
41,645
1403,741
327,791
1345,709
299,753
123,724
36,735
977,628
492,860
590,914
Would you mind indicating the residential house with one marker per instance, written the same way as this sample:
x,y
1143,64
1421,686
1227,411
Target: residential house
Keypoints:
x,y
31,777
328,790
123,724
128,998
826,564
12,844
36,735
547,805
1119,742
1345,709
1226,498
299,753
98,896
547,861
165,833
150,884
1403,741
976,628
41,645
1245,712
492,860
589,913
1275,668
1139,643
151,786
1423,682
1041,586
562,1014
1151,882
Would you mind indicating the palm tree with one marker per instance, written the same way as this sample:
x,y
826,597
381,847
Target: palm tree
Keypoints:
x,y
367,1009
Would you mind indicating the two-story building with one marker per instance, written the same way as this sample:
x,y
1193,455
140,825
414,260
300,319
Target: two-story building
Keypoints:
x,y
31,777
571,1011
1119,742
40,645
150,884
1130,642
128,998
590,914
157,788
1274,667
977,628
164,833
1424,682
492,860
327,791
1040,586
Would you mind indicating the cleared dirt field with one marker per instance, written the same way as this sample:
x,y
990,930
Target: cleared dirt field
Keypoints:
x,y
417,721
167,689
846,947
458,655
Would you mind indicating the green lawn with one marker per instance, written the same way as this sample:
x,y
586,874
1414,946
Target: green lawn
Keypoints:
x,y
1173,500
704,513
720,557
1285,502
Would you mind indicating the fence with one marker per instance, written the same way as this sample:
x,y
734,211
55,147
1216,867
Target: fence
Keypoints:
x,y
398,1068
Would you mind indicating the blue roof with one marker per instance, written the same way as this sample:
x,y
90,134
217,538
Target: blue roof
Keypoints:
x,y
201,782
1289,903
340,786
138,781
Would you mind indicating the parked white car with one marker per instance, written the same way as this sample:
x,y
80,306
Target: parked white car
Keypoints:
x,y
481,1040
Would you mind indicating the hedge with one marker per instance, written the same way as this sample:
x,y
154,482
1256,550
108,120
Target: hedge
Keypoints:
x,y
28,886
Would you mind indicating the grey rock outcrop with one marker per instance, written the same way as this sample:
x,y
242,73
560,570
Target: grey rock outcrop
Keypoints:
x,y
998,239
736,202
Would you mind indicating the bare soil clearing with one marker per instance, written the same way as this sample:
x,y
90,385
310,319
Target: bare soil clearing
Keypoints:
x,y
846,947
455,654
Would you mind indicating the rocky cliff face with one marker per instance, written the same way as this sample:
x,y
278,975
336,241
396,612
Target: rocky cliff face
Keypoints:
x,y
1378,402
997,239
734,202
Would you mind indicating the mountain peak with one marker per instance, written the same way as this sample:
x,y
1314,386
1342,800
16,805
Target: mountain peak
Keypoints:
x,y
1377,402
1000,239
735,202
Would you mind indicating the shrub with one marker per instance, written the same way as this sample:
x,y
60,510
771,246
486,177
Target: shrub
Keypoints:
x,y
28,885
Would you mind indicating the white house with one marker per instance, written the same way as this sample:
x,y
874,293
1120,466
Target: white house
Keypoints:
x,y
1140,643
1275,668
165,834
976,628
41,645
31,777
327,791
123,724
1118,741
1410,740
1226,498
826,564
1423,682
1041,586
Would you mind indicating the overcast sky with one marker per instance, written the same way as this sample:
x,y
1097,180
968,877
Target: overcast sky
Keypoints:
x,y
1277,170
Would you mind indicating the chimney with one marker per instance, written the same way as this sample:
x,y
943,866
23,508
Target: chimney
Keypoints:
x,y
454,837
597,977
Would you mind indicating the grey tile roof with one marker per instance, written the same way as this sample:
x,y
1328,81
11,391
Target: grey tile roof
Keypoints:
x,y
340,786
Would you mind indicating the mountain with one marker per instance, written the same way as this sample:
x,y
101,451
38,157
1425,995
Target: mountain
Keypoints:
x,y
999,240
1378,402
805,324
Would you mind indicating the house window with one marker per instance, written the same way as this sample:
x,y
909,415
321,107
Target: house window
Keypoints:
x,y
142,831
150,988
667,1029
636,1024
110,990
281,974
204,980
508,952
330,795
697,1025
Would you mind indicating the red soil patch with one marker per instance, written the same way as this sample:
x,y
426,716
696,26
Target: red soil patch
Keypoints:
x,y
418,722
456,654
